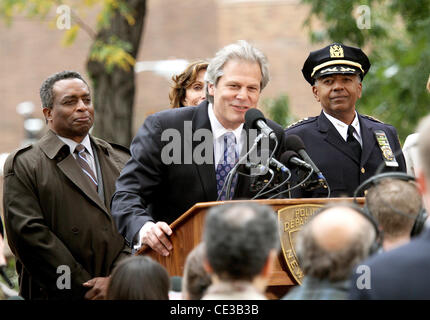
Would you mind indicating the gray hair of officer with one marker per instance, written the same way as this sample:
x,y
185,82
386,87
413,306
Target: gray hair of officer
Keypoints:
x,y
239,239
334,240
241,50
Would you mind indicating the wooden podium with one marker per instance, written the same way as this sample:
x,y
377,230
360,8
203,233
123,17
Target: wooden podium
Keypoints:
x,y
188,230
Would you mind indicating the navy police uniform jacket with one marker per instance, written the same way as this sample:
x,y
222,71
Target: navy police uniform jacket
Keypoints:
x,y
335,159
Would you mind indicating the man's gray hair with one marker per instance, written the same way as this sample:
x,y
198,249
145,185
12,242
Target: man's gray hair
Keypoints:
x,y
241,50
322,264
46,90
239,238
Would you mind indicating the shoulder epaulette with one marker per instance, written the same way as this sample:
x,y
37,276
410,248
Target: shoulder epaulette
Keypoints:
x,y
301,121
108,144
22,149
119,147
371,118
8,165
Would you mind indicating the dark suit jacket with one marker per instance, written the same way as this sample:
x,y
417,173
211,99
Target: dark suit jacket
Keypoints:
x,y
335,159
149,190
402,273
1,226
54,217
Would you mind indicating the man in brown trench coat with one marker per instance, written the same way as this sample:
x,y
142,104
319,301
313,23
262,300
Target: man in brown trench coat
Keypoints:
x,y
56,201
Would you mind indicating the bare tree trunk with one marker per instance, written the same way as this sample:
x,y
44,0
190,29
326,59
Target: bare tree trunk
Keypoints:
x,y
114,92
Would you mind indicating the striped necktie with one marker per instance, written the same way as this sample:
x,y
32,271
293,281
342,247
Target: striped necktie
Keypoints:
x,y
228,162
84,164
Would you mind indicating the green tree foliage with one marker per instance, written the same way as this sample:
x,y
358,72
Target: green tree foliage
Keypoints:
x,y
112,53
278,109
398,45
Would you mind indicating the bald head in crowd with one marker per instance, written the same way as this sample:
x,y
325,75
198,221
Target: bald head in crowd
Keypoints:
x,y
333,241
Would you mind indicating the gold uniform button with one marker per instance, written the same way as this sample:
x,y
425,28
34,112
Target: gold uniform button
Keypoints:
x,y
362,170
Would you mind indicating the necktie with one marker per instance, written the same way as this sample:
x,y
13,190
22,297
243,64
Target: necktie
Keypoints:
x,y
223,168
353,143
84,164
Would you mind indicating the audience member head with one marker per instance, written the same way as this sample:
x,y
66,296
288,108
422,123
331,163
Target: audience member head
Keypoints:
x,y
394,204
241,242
188,87
333,241
139,278
196,280
67,106
240,51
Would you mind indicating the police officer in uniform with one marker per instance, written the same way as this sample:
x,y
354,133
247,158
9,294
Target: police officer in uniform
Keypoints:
x,y
347,147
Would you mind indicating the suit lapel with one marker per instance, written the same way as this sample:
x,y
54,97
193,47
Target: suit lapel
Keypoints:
x,y
333,137
206,170
369,141
71,170
54,148
109,172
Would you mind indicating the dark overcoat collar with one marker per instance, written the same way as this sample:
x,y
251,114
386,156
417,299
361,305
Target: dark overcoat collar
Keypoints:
x,y
57,150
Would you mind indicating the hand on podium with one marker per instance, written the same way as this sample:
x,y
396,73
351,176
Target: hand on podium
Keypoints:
x,y
155,235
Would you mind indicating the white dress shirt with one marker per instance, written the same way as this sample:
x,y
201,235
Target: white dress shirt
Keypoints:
x,y
88,150
218,132
342,127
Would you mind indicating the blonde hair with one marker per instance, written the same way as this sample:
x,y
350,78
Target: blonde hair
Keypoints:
x,y
183,81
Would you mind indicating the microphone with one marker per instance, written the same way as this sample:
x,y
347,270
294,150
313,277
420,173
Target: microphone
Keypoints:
x,y
254,118
278,165
292,158
256,169
273,162
295,143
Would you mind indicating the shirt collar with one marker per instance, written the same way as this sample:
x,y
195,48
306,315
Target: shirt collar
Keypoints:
x,y
72,144
217,128
342,127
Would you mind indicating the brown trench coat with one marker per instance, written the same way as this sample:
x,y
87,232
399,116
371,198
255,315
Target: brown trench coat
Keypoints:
x,y
55,220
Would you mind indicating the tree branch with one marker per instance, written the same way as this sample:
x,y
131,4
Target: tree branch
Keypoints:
x,y
84,26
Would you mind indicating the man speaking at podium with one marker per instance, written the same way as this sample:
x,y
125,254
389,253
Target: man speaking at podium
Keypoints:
x,y
155,188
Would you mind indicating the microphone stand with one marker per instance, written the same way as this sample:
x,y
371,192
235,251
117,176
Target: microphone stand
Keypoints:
x,y
294,187
241,160
276,187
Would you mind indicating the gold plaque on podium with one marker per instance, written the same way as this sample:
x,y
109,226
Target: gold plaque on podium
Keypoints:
x,y
291,219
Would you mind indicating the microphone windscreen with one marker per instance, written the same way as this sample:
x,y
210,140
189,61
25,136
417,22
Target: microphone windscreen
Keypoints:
x,y
287,155
252,115
294,142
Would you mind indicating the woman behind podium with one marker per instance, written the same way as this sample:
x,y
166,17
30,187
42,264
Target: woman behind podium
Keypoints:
x,y
188,87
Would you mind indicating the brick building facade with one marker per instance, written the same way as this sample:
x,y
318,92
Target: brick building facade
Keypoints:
x,y
31,50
